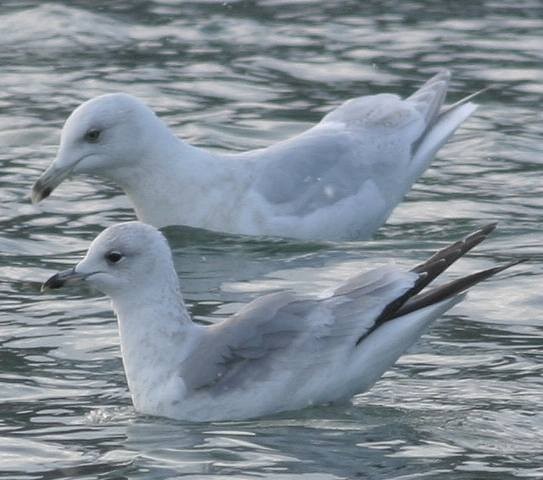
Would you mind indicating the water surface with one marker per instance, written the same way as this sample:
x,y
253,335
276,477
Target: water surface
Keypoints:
x,y
465,403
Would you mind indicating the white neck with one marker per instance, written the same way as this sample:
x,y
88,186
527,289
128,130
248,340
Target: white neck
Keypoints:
x,y
154,328
168,182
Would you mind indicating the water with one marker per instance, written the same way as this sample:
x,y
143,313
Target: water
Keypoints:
x,y
466,403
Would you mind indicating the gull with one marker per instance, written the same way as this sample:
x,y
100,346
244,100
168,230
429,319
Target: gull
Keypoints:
x,y
339,180
280,352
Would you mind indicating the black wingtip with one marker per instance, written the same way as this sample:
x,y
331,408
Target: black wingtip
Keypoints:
x,y
483,231
505,266
444,258
428,271
451,289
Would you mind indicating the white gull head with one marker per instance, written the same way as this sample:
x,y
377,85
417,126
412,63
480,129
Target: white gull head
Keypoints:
x,y
128,255
132,264
103,136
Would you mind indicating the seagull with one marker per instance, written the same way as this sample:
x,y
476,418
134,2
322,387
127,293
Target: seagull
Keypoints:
x,y
339,180
278,353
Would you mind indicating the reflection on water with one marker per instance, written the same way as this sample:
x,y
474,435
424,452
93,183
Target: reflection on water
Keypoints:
x,y
465,403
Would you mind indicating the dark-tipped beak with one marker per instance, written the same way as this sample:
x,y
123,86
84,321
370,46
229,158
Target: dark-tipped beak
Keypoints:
x,y
60,279
48,181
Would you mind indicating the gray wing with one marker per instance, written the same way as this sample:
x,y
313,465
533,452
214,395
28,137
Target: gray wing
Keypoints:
x,y
312,170
367,139
263,327
279,332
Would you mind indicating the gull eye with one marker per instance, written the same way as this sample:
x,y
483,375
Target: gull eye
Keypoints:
x,y
113,257
93,135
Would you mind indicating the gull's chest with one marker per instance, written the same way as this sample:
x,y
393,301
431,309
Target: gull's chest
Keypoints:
x,y
157,393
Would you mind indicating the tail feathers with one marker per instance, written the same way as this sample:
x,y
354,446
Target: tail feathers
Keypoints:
x,y
435,266
429,98
428,271
450,289
441,122
436,136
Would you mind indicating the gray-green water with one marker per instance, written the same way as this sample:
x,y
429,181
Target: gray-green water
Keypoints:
x,y
466,403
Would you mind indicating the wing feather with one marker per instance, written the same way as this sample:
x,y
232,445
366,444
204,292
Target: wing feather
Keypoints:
x,y
366,139
280,329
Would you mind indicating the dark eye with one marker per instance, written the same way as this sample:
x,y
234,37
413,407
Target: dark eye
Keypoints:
x,y
114,257
93,135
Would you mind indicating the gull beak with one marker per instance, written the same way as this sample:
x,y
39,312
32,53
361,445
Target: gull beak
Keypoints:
x,y
48,181
66,277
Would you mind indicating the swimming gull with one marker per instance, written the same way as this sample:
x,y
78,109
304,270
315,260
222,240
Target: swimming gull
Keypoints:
x,y
280,352
340,179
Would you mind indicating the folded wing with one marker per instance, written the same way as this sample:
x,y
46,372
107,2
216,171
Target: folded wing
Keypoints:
x,y
281,333
372,138
284,339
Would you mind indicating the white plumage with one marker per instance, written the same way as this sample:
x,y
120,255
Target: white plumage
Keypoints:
x,y
340,179
280,352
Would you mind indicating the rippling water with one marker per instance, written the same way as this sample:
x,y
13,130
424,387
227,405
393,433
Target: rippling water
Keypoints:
x,y
466,403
